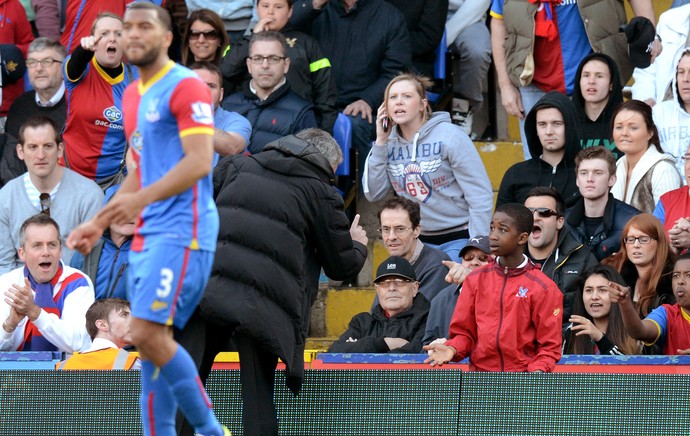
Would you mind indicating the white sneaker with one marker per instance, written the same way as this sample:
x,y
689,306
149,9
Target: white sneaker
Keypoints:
x,y
462,115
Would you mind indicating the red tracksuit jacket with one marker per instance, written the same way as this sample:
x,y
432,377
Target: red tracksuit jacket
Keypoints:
x,y
508,319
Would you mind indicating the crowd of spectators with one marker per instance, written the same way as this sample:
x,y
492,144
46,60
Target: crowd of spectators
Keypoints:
x,y
602,180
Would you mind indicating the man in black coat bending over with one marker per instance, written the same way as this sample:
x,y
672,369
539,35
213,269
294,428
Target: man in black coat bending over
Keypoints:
x,y
281,221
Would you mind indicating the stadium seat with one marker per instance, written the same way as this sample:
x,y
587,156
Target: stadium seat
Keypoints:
x,y
346,175
342,133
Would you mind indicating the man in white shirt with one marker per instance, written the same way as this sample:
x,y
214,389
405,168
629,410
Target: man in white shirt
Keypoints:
x,y
45,301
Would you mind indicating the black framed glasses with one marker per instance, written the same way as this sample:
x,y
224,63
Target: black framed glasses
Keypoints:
x,y
45,203
543,212
273,59
207,34
45,63
641,239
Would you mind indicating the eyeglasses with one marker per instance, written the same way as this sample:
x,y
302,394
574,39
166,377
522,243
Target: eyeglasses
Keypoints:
x,y
207,34
469,257
387,283
640,239
45,63
273,59
45,203
399,231
684,157
543,212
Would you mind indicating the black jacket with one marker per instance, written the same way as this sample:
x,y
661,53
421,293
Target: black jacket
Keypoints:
x,y
309,74
426,21
607,238
664,289
369,330
523,176
281,114
598,132
565,265
281,221
22,108
367,46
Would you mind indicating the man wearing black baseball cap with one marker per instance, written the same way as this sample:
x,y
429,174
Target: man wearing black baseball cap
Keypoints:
x,y
396,324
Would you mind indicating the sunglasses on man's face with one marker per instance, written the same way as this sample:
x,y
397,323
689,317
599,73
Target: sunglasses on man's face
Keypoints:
x,y
543,212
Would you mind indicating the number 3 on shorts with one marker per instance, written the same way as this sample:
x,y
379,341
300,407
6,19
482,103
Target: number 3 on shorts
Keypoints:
x,y
167,277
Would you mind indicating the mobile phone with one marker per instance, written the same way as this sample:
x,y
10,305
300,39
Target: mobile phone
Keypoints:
x,y
385,122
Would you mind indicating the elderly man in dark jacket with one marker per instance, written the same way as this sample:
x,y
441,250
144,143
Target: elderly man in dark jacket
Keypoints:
x,y
396,324
281,221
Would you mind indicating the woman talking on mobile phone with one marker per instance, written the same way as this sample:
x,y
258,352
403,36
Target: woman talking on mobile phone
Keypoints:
x,y
422,156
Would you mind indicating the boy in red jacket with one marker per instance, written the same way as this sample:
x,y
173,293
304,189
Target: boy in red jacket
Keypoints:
x,y
508,316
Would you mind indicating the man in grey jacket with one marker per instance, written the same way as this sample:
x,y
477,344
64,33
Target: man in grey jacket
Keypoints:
x,y
66,196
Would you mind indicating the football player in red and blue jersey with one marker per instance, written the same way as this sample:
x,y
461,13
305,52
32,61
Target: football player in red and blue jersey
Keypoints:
x,y
169,126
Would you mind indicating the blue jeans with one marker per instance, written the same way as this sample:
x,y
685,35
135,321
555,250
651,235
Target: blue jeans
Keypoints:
x,y
530,95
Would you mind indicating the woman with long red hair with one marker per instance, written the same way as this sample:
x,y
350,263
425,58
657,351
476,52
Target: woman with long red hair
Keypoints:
x,y
645,261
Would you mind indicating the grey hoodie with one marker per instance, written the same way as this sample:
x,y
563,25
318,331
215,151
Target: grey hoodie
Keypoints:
x,y
441,170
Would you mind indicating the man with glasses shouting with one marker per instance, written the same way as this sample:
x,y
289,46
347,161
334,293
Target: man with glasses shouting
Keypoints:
x,y
266,100
550,244
396,324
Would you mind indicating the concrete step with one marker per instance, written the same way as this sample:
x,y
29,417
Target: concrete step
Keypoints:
x,y
497,158
320,345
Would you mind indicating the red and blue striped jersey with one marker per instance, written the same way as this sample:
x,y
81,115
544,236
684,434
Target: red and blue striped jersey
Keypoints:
x,y
94,133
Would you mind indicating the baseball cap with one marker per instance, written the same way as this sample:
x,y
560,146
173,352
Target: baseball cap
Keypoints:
x,y
640,34
12,64
395,266
481,242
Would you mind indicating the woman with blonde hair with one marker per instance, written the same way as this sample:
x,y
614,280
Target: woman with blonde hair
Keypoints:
x,y
424,157
645,261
